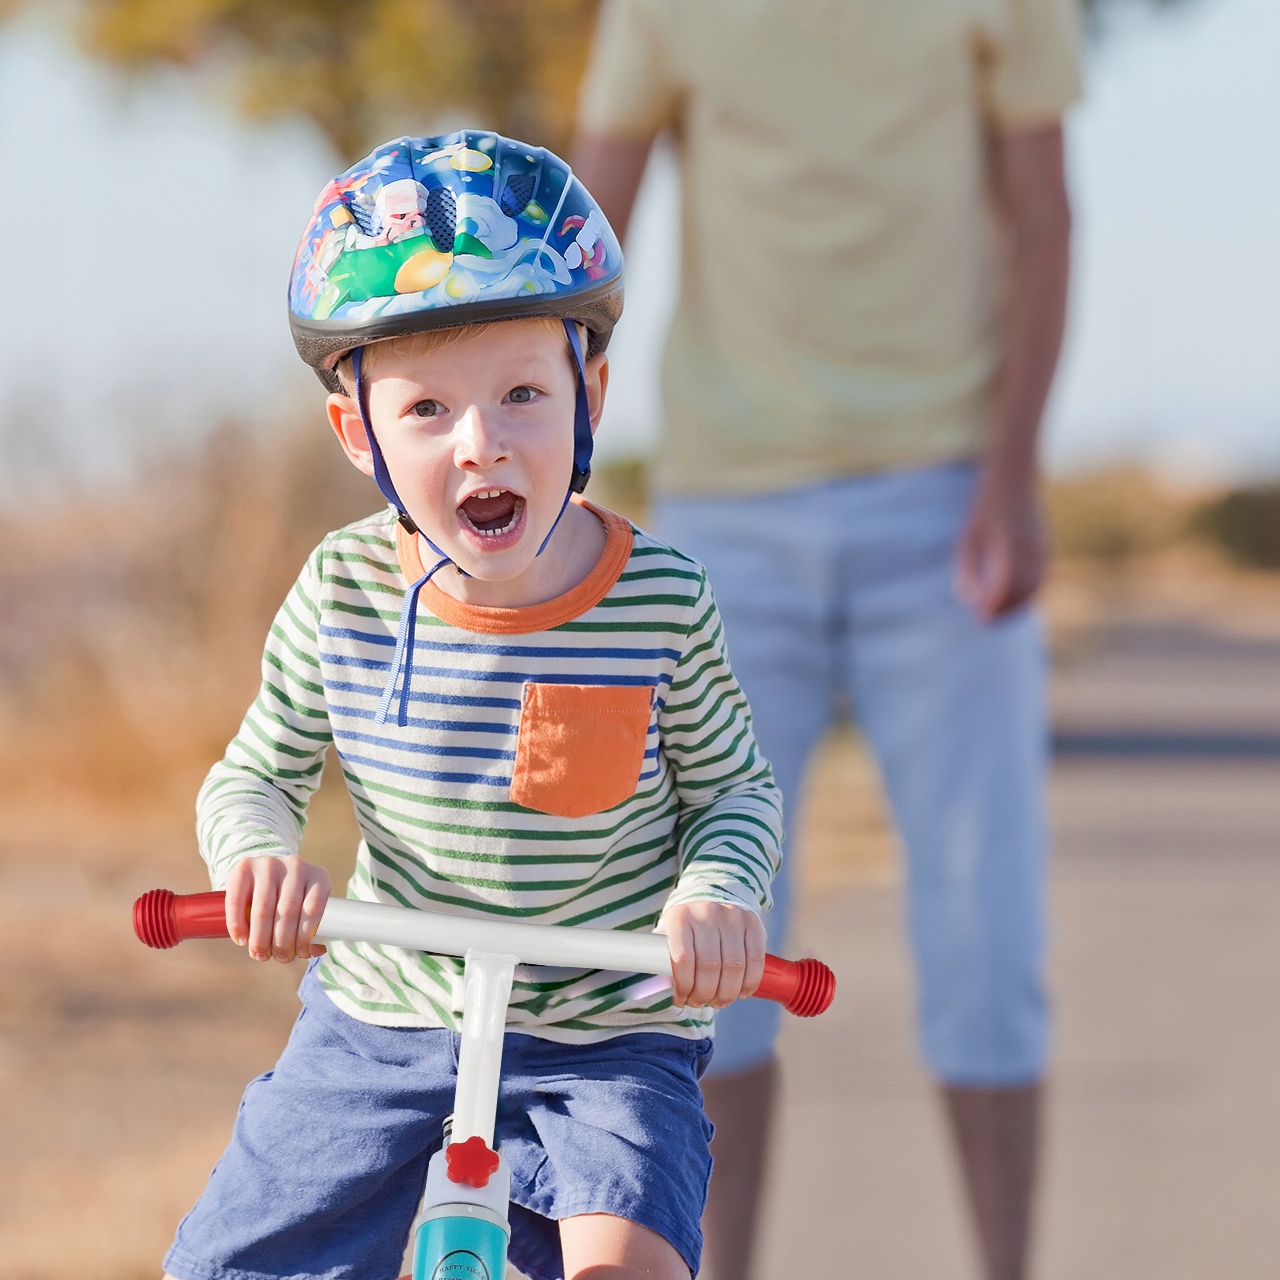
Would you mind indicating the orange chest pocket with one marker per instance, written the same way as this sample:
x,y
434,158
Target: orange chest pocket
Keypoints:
x,y
580,747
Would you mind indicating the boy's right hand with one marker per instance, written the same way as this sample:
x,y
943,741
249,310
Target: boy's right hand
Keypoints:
x,y
283,900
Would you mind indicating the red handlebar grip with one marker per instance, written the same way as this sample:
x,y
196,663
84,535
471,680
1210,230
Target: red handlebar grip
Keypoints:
x,y
163,918
803,987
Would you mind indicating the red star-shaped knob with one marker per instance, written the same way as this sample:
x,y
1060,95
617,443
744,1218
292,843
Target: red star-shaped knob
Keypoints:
x,y
471,1162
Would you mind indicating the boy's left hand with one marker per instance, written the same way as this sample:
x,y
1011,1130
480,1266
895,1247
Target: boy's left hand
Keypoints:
x,y
717,952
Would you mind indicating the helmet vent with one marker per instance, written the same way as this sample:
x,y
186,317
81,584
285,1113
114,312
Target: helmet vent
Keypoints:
x,y
364,214
442,218
516,194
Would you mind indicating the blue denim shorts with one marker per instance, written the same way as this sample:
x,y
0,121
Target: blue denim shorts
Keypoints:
x,y
328,1158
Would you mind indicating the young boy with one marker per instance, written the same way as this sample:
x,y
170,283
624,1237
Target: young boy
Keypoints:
x,y
551,733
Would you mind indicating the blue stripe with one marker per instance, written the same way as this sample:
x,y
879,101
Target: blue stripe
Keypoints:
x,y
350,660
505,677
442,726
437,699
424,748
508,650
367,637
430,775
451,726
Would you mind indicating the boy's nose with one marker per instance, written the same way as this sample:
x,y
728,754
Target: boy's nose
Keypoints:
x,y
477,445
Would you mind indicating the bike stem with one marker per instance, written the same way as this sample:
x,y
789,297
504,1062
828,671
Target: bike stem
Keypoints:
x,y
463,1219
486,989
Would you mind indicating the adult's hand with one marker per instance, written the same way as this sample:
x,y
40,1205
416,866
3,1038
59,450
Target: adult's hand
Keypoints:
x,y
1003,551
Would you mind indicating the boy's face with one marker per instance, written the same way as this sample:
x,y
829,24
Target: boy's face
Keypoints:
x,y
478,438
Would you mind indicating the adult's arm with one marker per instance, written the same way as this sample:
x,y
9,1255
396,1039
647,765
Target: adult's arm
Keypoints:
x,y
1003,551
611,170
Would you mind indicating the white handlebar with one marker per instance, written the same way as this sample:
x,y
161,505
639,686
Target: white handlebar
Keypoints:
x,y
346,920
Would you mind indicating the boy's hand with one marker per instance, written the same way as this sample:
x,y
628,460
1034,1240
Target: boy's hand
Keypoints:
x,y
717,952
283,899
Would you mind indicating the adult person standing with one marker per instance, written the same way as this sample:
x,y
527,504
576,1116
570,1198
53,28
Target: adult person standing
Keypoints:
x,y
875,240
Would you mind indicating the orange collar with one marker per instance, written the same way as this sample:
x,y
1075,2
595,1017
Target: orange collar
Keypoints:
x,y
535,617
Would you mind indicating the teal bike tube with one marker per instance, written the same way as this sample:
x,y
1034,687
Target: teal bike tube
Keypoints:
x,y
461,1242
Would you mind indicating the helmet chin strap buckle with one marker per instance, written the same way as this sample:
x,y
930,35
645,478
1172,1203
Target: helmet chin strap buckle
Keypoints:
x,y
407,520
580,477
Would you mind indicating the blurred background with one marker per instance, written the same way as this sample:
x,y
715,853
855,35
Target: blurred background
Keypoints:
x,y
165,468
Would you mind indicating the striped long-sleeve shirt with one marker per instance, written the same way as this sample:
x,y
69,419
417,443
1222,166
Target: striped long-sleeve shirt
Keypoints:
x,y
500,797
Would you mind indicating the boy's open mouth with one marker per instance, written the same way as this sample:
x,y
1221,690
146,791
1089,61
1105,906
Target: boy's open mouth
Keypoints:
x,y
492,512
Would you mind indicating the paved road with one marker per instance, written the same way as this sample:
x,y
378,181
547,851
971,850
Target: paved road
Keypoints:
x,y
1163,1156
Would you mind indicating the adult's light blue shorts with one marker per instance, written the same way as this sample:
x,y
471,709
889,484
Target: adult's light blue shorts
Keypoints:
x,y
843,591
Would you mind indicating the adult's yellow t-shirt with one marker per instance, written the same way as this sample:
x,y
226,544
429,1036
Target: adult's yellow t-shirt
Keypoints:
x,y
841,274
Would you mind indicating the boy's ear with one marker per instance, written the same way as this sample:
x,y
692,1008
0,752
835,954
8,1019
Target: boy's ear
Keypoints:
x,y
344,418
597,380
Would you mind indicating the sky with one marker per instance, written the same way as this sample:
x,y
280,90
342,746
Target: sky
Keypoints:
x,y
1173,347
150,236
151,232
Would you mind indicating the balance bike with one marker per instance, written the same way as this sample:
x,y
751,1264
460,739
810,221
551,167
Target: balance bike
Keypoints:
x,y
461,1230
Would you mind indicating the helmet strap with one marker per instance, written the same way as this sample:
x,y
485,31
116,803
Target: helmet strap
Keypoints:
x,y
381,476
583,442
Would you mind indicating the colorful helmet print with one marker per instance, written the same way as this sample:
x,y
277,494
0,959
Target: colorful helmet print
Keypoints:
x,y
429,233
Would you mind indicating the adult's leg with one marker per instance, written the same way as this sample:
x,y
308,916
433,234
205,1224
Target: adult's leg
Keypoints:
x,y
740,1105
997,1133
954,710
599,1246
771,572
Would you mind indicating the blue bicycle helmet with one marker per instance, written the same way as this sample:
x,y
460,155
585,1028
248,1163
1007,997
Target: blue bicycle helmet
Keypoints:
x,y
428,233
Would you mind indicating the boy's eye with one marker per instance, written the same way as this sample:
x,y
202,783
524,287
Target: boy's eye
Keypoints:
x,y
426,409
520,395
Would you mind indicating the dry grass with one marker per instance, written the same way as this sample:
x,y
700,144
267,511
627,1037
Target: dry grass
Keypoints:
x,y
1128,548
132,647
128,651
